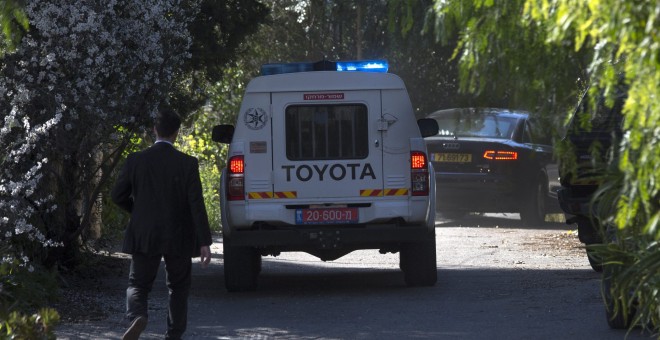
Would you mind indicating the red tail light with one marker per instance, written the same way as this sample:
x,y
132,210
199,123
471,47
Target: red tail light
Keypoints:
x,y
236,165
235,182
419,173
501,155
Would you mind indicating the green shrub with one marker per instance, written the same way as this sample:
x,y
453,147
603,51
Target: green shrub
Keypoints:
x,y
36,326
22,289
196,141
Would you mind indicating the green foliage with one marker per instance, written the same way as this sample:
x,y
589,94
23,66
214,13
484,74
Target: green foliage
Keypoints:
x,y
346,30
196,141
405,12
217,32
544,50
13,22
181,52
36,326
504,56
625,38
24,288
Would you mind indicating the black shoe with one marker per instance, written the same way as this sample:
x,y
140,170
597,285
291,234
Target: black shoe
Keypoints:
x,y
137,326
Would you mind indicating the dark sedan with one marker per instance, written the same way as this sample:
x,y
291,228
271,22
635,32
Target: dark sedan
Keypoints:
x,y
492,160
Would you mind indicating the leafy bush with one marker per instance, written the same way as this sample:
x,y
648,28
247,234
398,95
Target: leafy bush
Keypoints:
x,y
35,326
224,103
22,289
196,141
565,43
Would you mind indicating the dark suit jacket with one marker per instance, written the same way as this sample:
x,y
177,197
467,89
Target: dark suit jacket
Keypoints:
x,y
160,187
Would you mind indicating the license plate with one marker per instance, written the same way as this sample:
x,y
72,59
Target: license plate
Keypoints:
x,y
452,157
327,216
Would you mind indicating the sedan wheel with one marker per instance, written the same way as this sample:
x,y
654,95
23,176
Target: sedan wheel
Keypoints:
x,y
533,206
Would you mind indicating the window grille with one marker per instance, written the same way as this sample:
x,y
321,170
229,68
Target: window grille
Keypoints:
x,y
319,132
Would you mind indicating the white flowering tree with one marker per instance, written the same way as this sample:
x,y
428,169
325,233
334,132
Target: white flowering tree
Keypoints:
x,y
85,76
82,79
79,80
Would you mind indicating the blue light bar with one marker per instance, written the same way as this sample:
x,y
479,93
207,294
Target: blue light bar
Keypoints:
x,y
363,66
324,65
277,68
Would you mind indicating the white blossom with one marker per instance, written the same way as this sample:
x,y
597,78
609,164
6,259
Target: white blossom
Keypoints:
x,y
59,86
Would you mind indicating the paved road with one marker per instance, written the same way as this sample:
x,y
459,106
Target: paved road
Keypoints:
x,y
497,279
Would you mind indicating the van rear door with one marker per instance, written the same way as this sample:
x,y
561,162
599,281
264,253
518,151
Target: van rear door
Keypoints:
x,y
326,146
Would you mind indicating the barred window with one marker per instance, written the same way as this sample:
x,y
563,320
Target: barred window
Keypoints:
x,y
318,132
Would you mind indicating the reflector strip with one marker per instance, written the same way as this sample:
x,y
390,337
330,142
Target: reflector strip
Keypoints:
x,y
396,192
286,194
260,195
386,192
371,192
268,195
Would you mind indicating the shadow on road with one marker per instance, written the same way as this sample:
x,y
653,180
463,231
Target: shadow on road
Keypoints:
x,y
304,301
310,300
499,221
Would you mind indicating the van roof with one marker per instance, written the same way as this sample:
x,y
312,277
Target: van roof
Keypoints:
x,y
325,81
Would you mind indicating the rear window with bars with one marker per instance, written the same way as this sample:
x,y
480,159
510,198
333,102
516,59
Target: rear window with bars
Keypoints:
x,y
319,132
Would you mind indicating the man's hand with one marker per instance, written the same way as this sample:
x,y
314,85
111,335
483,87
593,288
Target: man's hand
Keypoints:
x,y
205,255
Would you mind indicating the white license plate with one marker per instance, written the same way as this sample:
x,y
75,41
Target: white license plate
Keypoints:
x,y
327,216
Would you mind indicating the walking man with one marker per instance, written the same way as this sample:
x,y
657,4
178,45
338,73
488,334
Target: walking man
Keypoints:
x,y
161,189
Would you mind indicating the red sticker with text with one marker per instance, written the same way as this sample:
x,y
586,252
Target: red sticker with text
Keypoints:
x,y
323,96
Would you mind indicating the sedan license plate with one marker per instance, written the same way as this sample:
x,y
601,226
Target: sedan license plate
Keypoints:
x,y
452,157
327,216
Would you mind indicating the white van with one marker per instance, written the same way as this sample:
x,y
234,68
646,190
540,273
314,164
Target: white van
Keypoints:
x,y
327,158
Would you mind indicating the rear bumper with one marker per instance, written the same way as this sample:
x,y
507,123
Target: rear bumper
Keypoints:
x,y
242,215
330,237
476,192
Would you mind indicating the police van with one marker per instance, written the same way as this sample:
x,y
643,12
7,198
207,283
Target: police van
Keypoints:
x,y
327,158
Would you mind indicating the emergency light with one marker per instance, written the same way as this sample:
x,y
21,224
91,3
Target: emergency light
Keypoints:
x,y
325,65
363,66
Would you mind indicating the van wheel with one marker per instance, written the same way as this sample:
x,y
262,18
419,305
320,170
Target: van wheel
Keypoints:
x,y
242,266
532,211
417,260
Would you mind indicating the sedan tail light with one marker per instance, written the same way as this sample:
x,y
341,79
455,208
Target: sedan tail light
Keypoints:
x,y
501,155
235,182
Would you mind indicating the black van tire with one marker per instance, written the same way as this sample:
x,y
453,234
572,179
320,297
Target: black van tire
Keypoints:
x,y
241,266
418,262
532,210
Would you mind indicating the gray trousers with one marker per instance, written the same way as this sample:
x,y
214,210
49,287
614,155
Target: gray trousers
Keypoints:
x,y
140,280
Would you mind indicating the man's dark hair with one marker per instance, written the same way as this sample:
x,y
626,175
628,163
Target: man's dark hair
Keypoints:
x,y
167,122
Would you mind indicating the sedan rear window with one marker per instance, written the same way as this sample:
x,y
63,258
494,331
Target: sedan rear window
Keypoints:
x,y
476,125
